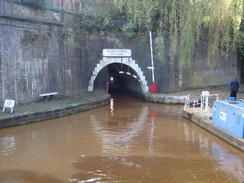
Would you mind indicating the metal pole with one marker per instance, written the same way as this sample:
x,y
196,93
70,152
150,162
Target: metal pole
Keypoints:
x,y
150,33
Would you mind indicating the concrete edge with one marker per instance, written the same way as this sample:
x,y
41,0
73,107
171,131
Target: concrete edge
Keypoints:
x,y
165,99
224,135
17,119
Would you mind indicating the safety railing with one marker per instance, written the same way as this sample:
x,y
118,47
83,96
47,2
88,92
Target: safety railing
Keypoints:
x,y
201,105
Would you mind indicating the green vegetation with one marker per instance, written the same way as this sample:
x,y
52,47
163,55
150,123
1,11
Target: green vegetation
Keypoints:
x,y
98,23
185,22
180,23
129,29
100,16
22,123
91,23
30,36
33,3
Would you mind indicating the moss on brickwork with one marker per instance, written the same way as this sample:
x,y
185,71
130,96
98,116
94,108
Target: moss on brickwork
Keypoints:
x,y
196,79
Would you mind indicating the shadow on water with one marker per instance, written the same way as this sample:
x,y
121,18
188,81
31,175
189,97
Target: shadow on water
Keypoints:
x,y
14,175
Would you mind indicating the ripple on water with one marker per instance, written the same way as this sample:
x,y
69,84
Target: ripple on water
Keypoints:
x,y
149,170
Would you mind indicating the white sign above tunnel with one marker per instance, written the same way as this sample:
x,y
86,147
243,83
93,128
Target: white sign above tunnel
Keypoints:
x,y
117,52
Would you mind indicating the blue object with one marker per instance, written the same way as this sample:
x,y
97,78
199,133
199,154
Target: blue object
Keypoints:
x,y
232,99
229,115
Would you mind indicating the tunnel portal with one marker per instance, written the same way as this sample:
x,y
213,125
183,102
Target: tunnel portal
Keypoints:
x,y
121,73
123,78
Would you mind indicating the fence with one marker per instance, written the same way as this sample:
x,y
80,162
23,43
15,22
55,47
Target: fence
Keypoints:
x,y
201,105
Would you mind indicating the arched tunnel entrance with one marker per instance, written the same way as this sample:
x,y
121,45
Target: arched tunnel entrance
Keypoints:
x,y
119,78
118,74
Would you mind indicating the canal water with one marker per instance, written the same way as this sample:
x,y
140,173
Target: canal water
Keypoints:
x,y
128,141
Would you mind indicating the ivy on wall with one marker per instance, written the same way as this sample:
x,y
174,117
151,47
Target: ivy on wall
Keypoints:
x,y
33,3
100,16
97,23
30,36
129,29
91,23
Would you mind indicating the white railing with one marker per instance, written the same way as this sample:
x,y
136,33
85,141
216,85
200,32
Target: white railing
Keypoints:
x,y
201,105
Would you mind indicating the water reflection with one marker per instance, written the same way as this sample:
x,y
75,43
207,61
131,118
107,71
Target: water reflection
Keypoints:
x,y
151,132
228,162
231,164
116,133
112,106
128,141
8,145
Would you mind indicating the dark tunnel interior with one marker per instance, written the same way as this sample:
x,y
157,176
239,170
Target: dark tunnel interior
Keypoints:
x,y
117,78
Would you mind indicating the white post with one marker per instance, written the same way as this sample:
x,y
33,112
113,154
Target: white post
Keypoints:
x,y
206,104
150,33
204,96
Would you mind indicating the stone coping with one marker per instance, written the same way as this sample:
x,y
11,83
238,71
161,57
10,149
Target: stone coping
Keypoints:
x,y
165,99
36,112
207,125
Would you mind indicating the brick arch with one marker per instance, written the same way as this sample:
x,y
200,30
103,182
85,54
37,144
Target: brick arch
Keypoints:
x,y
126,61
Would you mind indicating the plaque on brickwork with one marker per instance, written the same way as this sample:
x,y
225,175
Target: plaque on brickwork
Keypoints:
x,y
117,52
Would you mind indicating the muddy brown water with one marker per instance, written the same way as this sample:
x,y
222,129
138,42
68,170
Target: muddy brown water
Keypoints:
x,y
127,141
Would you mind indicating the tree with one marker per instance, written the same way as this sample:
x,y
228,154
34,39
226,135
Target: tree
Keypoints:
x,y
187,21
